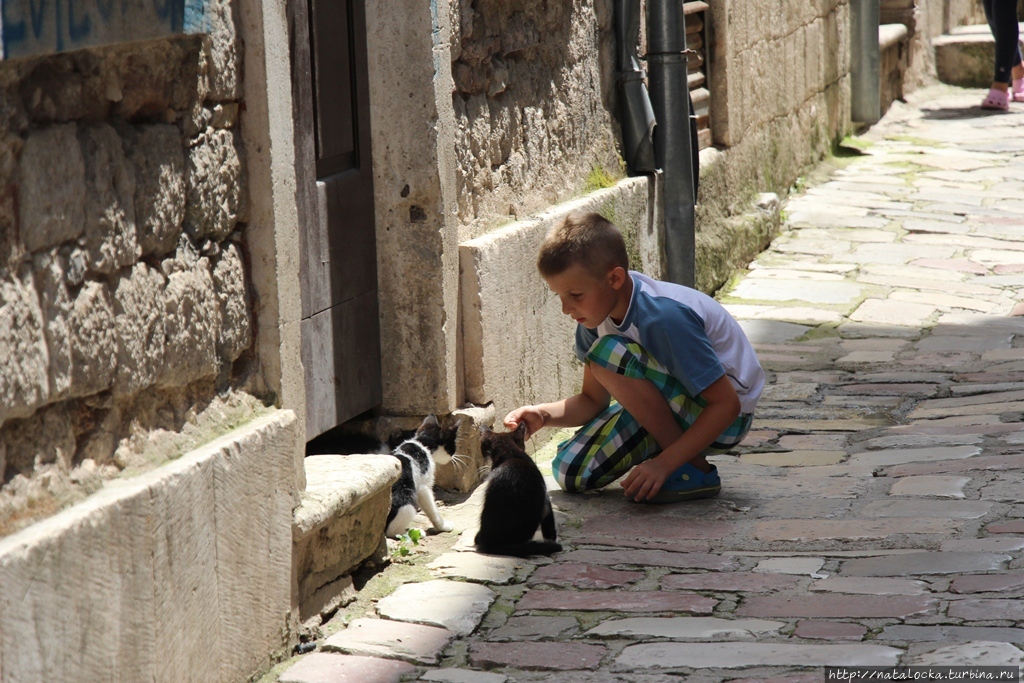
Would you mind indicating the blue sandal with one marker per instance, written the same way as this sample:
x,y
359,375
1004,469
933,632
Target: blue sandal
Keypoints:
x,y
688,483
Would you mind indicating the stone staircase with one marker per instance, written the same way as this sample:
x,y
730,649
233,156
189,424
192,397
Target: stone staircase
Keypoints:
x,y
965,56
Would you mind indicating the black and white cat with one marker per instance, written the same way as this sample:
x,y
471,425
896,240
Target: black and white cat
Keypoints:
x,y
516,501
430,446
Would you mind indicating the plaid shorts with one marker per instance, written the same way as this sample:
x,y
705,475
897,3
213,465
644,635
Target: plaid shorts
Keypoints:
x,y
606,448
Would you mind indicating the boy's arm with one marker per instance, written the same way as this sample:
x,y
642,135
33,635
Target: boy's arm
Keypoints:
x,y
569,412
723,406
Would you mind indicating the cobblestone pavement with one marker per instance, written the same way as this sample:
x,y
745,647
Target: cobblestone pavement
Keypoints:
x,y
875,515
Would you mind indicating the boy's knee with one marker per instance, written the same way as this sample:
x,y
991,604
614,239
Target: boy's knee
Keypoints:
x,y
567,484
612,351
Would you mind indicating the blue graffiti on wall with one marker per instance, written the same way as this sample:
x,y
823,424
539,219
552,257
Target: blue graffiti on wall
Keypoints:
x,y
36,27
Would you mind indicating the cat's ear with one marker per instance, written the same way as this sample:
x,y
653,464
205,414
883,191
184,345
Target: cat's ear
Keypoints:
x,y
458,423
520,433
430,421
485,431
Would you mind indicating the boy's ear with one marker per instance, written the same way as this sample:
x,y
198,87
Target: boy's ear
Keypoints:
x,y
617,277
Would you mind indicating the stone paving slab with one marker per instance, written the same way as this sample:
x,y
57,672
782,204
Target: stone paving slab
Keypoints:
x,y
533,628
747,582
829,630
901,455
583,576
537,656
334,668
652,558
946,633
453,605
987,583
986,609
462,676
848,529
978,653
616,601
943,509
413,643
924,563
838,606
733,655
870,586
678,628
935,486
476,567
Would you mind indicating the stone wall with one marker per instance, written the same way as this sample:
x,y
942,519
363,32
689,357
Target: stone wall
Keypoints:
x,y
124,286
926,20
534,92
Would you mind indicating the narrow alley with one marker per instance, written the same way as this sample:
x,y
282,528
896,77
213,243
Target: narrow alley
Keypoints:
x,y
874,515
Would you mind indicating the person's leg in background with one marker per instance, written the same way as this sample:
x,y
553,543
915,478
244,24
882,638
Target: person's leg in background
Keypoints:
x,y
1008,76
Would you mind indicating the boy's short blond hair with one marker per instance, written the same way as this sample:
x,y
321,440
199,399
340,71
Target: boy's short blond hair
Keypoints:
x,y
586,239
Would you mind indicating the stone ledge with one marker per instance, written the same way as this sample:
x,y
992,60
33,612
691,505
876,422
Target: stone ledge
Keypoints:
x,y
338,525
964,57
890,35
202,542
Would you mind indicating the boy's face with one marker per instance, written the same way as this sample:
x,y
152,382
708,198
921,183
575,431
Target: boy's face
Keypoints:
x,y
586,298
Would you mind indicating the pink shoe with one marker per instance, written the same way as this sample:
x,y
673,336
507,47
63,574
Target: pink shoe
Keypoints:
x,y
1018,89
996,99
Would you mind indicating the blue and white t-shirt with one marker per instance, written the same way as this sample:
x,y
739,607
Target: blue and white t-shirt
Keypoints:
x,y
689,333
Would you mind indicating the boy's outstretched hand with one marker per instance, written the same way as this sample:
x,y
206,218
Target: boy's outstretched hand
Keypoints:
x,y
531,415
646,479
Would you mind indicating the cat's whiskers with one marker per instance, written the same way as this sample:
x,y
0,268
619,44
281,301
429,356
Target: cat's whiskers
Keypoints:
x,y
459,461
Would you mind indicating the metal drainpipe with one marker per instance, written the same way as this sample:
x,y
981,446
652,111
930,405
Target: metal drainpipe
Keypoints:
x,y
674,149
636,113
865,61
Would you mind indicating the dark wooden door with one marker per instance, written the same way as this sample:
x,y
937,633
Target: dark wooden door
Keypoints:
x,y
340,329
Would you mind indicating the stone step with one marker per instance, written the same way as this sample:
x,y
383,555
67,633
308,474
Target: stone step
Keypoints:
x,y
965,56
894,51
338,524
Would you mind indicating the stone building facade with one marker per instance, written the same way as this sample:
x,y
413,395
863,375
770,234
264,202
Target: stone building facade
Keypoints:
x,y
159,203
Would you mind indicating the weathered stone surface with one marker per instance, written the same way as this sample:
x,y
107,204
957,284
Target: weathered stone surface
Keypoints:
x,y
230,281
935,486
476,567
987,609
829,630
654,526
794,458
945,633
322,667
886,312
413,643
583,576
110,235
985,545
537,656
1015,526
981,462
790,565
51,187
731,655
618,601
684,627
924,563
729,581
849,606
24,382
898,456
139,323
457,606
56,306
224,50
854,529
870,586
192,324
651,557
340,521
158,156
217,197
462,676
45,437
987,583
94,340
953,509
978,653
533,628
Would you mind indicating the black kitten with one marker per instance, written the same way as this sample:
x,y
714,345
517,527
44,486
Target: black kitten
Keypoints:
x,y
414,489
516,501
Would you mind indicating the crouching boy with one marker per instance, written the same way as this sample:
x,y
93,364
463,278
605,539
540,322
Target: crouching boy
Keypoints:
x,y
684,378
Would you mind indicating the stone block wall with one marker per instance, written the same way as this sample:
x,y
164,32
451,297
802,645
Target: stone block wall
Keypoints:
x,y
926,20
534,96
124,286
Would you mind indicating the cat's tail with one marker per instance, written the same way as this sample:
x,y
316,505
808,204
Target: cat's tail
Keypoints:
x,y
521,549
